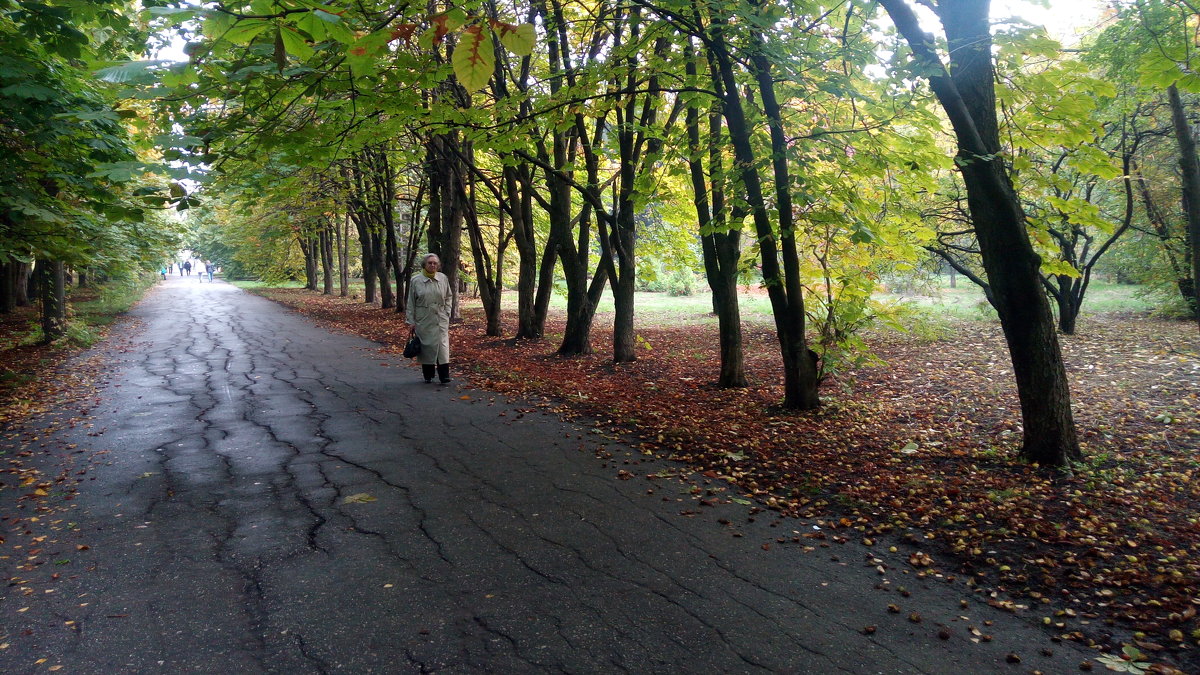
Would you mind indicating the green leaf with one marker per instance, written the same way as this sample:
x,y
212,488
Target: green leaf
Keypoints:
x,y
217,24
1060,268
29,90
474,60
244,32
519,40
294,43
364,52
133,72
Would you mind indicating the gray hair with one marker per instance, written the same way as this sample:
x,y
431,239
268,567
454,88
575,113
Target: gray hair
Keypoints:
x,y
425,258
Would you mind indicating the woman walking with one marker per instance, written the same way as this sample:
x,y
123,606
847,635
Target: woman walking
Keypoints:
x,y
428,313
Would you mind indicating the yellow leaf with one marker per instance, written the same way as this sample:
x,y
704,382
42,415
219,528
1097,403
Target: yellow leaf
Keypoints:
x,y
360,498
473,59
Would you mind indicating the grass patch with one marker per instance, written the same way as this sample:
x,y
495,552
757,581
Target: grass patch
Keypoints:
x,y
100,306
250,284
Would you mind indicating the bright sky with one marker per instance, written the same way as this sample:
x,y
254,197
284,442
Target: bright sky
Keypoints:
x,y
1063,19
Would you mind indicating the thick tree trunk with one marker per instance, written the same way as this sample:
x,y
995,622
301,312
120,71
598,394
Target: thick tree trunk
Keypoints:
x,y
52,287
1189,168
623,287
967,94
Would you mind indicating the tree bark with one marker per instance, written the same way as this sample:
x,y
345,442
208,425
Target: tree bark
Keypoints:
x,y
341,232
516,186
52,288
7,277
325,241
720,243
968,96
1189,168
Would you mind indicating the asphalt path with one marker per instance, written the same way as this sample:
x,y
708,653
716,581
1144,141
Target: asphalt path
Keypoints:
x,y
257,494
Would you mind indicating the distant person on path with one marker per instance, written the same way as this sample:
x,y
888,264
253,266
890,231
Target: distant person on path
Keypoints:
x,y
163,271
210,268
187,268
428,313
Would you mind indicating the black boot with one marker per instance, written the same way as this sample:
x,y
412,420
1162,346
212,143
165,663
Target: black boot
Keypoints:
x,y
443,371
427,370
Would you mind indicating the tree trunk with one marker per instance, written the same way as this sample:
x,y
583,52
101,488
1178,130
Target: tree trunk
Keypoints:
x,y
800,381
386,297
968,96
325,240
341,233
26,284
52,286
721,244
1189,168
445,227
486,281
1069,302
7,276
308,246
1154,214
517,188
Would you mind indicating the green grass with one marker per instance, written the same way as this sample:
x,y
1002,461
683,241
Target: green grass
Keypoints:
x,y
966,302
242,283
935,302
693,309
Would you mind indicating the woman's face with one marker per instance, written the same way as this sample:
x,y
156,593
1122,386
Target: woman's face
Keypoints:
x,y
432,263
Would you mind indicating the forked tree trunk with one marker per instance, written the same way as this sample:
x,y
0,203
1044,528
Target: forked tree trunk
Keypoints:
x,y
783,288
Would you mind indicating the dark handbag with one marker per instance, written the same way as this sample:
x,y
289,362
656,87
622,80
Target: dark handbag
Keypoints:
x,y
413,347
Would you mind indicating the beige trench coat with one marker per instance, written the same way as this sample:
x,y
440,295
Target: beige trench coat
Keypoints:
x,y
428,310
